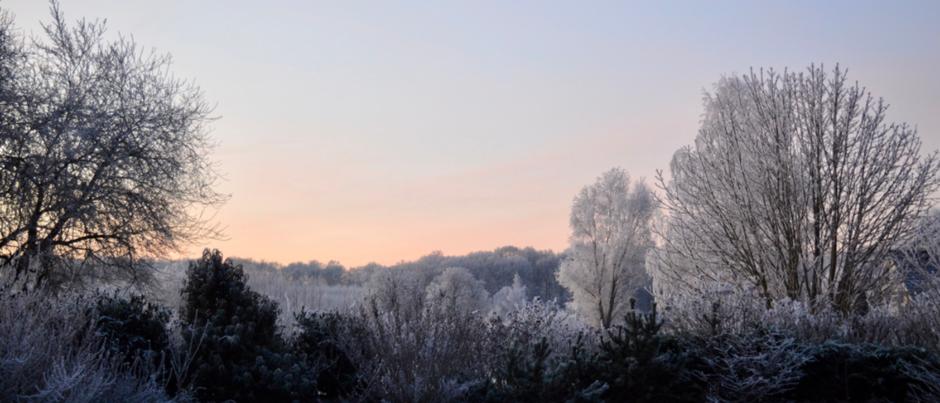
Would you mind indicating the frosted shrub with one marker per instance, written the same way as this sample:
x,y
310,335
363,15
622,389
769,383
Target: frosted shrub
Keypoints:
x,y
136,329
534,321
532,353
716,310
421,355
49,351
719,311
750,367
395,292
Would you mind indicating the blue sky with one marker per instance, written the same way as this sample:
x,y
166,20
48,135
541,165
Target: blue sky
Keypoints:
x,y
379,131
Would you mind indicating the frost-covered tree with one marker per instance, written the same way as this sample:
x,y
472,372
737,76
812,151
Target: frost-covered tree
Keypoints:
x,y
509,298
797,187
103,154
397,292
456,290
610,236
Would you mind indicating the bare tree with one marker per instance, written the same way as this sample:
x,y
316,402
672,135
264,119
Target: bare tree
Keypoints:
x,y
103,155
796,187
610,236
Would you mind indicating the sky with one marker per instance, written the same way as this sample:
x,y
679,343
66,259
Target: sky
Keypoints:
x,y
381,131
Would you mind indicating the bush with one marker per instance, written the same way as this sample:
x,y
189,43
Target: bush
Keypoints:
x,y
318,345
845,372
49,351
629,362
415,353
241,355
535,353
640,364
760,366
227,345
135,329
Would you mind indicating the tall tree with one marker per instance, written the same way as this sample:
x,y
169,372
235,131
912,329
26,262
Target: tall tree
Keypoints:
x,y
610,236
797,187
103,154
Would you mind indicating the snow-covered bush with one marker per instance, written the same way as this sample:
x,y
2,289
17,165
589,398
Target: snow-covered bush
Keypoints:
x,y
535,352
49,351
421,339
915,323
419,355
716,309
747,367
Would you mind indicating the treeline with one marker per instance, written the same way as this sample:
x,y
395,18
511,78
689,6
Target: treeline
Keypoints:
x,y
537,270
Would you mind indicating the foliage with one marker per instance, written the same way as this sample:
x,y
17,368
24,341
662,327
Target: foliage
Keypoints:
x,y
241,354
135,329
744,367
844,372
534,353
411,352
319,345
50,351
639,364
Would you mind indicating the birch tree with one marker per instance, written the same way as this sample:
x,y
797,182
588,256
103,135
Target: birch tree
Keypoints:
x,y
610,236
797,186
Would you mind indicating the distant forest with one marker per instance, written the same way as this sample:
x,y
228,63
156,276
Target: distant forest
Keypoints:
x,y
496,269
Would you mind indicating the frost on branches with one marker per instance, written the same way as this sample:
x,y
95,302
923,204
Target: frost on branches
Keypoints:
x,y
610,236
797,187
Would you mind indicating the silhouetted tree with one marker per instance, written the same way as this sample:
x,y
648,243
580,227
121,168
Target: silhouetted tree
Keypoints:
x,y
103,154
